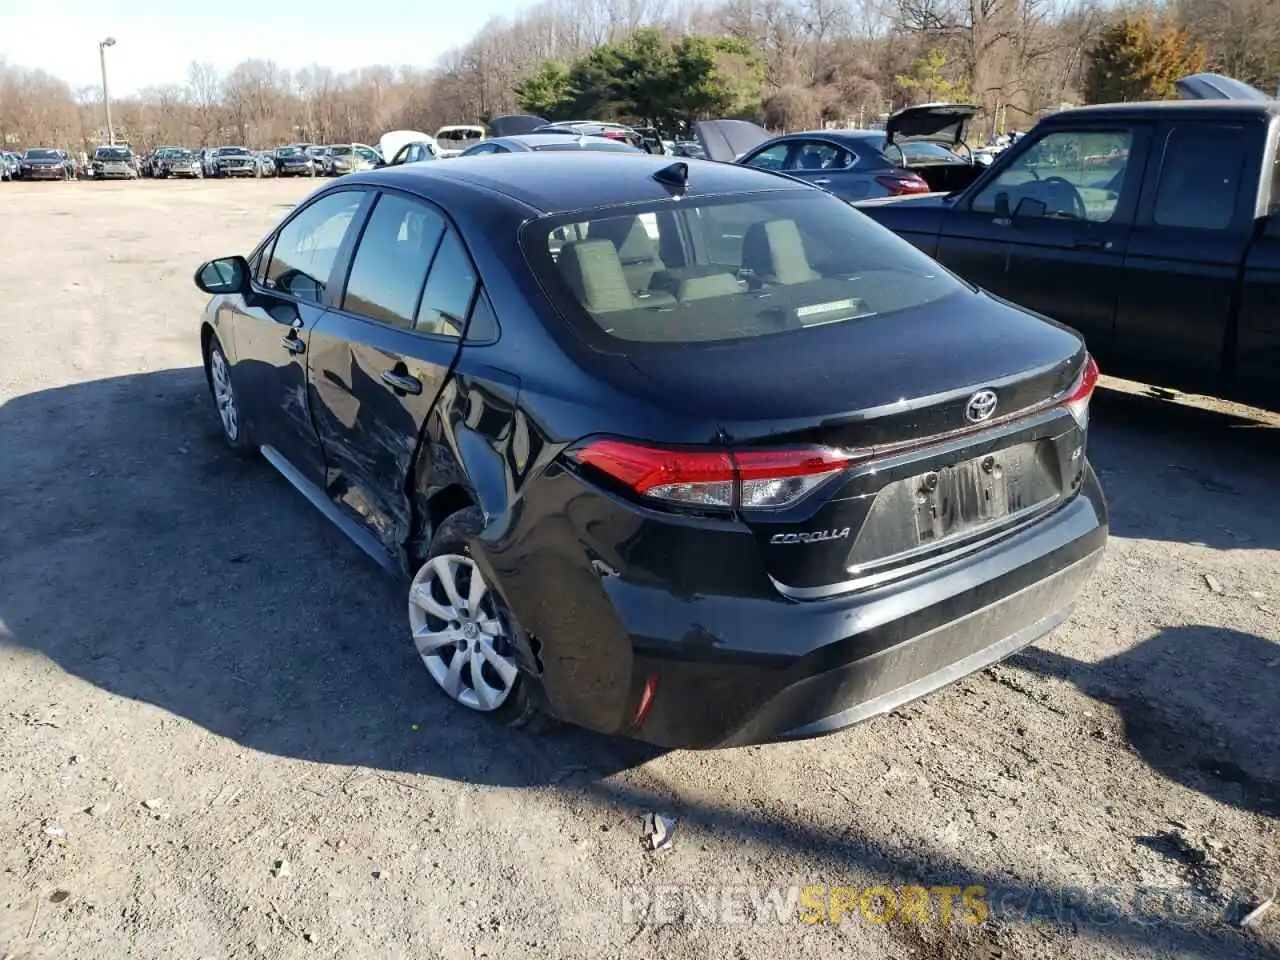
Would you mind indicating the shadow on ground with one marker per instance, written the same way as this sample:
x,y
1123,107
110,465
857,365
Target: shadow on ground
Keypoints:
x,y
1201,705
1182,473
137,554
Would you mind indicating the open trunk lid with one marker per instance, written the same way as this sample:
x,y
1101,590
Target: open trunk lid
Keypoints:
x,y
725,140
515,124
390,143
983,442
944,123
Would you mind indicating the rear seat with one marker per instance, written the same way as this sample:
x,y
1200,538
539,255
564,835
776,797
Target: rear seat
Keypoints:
x,y
774,252
595,275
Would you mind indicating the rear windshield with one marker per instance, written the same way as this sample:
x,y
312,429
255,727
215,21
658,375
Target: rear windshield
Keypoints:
x,y
600,144
915,151
461,134
340,151
698,270
39,153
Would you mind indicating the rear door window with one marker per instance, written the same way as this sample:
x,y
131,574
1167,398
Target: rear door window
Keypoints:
x,y
816,155
451,286
1200,172
390,265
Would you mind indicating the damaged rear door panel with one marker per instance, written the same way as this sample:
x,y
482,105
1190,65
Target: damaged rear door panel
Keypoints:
x,y
381,358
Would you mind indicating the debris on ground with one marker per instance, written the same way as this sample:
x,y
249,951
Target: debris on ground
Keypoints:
x,y
153,803
282,868
658,831
97,809
56,832
1213,583
1254,916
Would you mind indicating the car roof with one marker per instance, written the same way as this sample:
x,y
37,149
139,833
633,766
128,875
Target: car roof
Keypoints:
x,y
1185,109
558,181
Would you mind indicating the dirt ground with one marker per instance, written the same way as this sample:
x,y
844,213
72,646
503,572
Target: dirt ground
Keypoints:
x,y
217,741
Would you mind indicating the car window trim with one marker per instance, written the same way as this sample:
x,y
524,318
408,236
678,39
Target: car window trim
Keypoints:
x,y
360,216
1132,191
449,223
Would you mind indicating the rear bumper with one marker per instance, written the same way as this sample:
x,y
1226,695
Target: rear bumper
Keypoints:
x,y
731,670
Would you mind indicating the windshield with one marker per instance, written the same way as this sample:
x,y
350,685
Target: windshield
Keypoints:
x,y
288,152
180,154
729,269
593,143
39,153
233,152
112,153
340,151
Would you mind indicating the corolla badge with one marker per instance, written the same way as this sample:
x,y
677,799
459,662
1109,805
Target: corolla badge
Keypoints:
x,y
811,536
980,406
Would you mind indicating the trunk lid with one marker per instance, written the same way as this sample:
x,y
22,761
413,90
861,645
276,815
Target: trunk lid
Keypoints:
x,y
980,442
390,143
944,123
725,140
515,125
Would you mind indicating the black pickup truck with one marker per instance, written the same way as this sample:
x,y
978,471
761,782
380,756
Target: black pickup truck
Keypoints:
x,y
1151,228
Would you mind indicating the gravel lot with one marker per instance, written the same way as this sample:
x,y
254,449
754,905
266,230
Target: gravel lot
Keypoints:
x,y
216,740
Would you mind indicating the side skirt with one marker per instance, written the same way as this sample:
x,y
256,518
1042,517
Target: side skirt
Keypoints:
x,y
362,538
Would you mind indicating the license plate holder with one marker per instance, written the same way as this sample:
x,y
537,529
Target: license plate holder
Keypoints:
x,y
968,496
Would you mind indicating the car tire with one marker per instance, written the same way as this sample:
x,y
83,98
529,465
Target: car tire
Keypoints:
x,y
492,626
217,369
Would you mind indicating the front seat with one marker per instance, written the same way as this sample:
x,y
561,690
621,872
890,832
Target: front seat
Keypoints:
x,y
636,249
774,252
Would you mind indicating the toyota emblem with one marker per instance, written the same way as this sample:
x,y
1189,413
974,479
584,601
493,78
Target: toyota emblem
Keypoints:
x,y
980,406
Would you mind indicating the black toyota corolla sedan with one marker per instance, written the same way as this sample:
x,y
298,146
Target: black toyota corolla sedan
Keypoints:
x,y
681,451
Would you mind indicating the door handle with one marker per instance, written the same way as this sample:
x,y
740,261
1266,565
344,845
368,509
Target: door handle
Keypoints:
x,y
1087,244
293,344
823,182
402,382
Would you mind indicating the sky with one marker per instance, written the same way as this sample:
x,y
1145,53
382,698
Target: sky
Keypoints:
x,y
157,39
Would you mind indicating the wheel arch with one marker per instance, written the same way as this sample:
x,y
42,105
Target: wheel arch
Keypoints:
x,y
462,460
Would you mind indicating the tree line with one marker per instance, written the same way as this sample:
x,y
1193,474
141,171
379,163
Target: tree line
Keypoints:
x,y
786,63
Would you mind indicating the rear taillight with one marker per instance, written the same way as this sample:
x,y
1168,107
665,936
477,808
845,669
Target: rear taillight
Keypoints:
x,y
1077,401
900,184
717,479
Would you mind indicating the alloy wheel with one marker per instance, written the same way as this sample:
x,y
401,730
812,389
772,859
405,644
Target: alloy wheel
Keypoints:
x,y
223,394
459,633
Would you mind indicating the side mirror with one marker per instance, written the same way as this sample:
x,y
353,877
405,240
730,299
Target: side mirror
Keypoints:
x,y
1029,207
225,275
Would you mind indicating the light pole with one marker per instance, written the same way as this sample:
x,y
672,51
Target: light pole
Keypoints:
x,y
106,97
